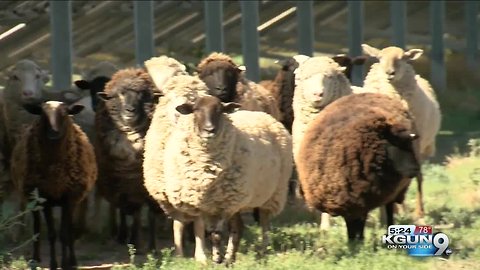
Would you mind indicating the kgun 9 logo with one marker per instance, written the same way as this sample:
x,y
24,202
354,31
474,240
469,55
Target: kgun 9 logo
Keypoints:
x,y
417,240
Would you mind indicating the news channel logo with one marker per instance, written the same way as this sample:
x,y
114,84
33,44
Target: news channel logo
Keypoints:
x,y
418,241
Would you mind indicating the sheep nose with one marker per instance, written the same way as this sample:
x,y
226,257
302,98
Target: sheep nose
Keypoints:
x,y
390,74
27,93
209,127
130,109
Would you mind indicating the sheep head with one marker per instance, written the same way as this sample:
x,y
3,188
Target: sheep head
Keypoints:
x,y
221,75
26,81
134,106
54,116
318,78
94,86
400,150
207,113
393,60
348,62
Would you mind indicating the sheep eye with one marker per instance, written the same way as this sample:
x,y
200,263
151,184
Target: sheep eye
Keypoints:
x,y
37,76
15,78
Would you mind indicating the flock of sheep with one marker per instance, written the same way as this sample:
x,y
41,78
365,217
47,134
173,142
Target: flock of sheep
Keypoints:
x,y
206,147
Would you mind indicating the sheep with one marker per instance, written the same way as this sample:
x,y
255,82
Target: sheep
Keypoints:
x,y
282,89
318,82
357,155
222,162
177,90
122,119
348,62
55,157
25,84
95,80
394,76
227,81
162,68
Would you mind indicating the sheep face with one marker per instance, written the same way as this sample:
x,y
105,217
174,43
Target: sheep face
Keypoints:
x,y
315,88
400,153
27,80
221,79
393,60
94,86
53,116
348,62
288,64
134,106
207,114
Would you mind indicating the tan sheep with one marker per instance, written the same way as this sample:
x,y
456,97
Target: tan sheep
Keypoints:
x,y
394,76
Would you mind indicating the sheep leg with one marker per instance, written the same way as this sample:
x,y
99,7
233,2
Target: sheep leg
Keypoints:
x,y
235,225
113,220
325,222
265,224
152,218
389,213
178,228
47,211
36,232
122,232
199,229
420,210
81,218
355,228
216,238
68,255
135,228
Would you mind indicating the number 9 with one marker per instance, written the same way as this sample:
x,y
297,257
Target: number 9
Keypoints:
x,y
443,245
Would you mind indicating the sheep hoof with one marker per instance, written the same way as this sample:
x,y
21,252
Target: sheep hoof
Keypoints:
x,y
217,258
201,258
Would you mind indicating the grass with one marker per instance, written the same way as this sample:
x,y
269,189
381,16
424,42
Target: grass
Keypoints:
x,y
452,200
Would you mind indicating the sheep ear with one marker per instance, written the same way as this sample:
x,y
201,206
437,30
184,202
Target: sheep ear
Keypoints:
x,y
241,68
185,108
103,95
370,51
156,97
342,69
33,108
45,76
231,107
414,136
412,54
82,84
359,60
75,109
342,59
300,58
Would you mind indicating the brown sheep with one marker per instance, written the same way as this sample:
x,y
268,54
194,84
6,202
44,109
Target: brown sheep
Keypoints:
x,y
226,81
54,156
122,119
357,155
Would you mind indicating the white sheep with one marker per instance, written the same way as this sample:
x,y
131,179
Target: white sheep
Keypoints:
x,y
394,76
162,68
318,82
221,163
177,90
